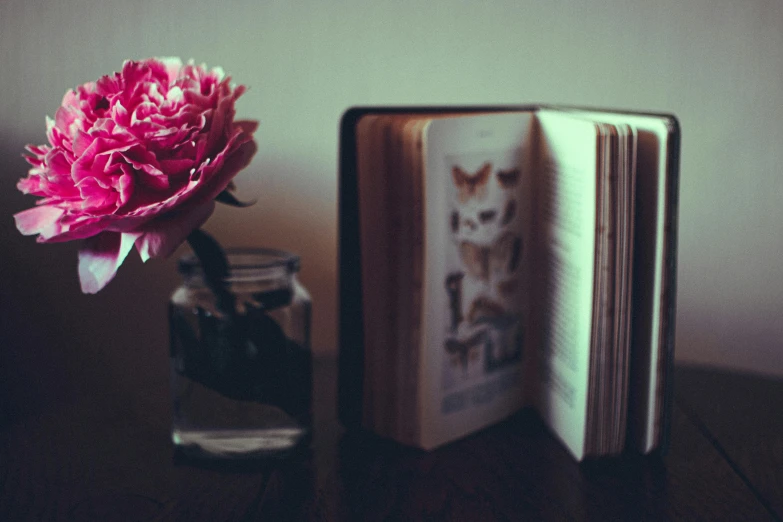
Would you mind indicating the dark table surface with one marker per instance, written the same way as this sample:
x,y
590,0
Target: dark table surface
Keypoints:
x,y
70,452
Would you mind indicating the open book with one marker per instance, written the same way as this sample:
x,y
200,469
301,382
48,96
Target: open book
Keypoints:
x,y
499,258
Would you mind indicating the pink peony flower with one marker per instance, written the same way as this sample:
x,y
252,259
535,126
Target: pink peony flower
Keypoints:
x,y
136,158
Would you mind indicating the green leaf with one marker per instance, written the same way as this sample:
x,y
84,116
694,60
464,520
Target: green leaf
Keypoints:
x,y
249,359
227,198
215,267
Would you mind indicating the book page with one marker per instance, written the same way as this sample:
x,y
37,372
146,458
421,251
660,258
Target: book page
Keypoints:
x,y
477,298
565,225
648,357
648,340
375,224
411,247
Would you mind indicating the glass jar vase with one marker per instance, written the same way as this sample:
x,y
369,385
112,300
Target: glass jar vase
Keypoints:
x,y
241,375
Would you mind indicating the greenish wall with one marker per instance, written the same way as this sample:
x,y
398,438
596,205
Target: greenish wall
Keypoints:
x,y
717,64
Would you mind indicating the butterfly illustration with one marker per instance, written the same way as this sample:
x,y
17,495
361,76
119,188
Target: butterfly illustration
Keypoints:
x,y
502,257
471,224
463,352
471,185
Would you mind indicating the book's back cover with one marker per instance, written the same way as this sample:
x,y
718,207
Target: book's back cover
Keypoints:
x,y
670,276
350,326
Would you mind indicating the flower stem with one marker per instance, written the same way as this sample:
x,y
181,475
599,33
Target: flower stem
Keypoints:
x,y
215,267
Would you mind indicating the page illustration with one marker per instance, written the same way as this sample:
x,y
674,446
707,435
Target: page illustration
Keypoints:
x,y
485,263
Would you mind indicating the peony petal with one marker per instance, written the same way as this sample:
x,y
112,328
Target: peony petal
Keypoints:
x,y
124,185
173,64
232,164
79,227
38,150
108,85
39,220
64,116
81,141
217,127
218,175
30,185
247,126
58,164
100,256
163,235
175,166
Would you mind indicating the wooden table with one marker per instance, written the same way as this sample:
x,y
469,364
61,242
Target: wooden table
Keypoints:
x,y
80,452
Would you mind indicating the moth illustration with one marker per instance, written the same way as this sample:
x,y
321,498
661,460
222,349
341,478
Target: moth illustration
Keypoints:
x,y
508,348
502,257
476,259
471,185
508,178
506,253
508,288
454,289
487,216
484,309
463,352
454,222
509,211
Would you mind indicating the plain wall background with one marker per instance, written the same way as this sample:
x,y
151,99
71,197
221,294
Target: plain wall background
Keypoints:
x,y
716,64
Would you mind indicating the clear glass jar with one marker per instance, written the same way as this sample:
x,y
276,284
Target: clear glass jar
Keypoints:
x,y
242,381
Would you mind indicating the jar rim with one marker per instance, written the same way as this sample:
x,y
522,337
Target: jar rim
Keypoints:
x,y
246,258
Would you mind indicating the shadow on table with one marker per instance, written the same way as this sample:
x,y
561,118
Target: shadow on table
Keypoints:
x,y
514,470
